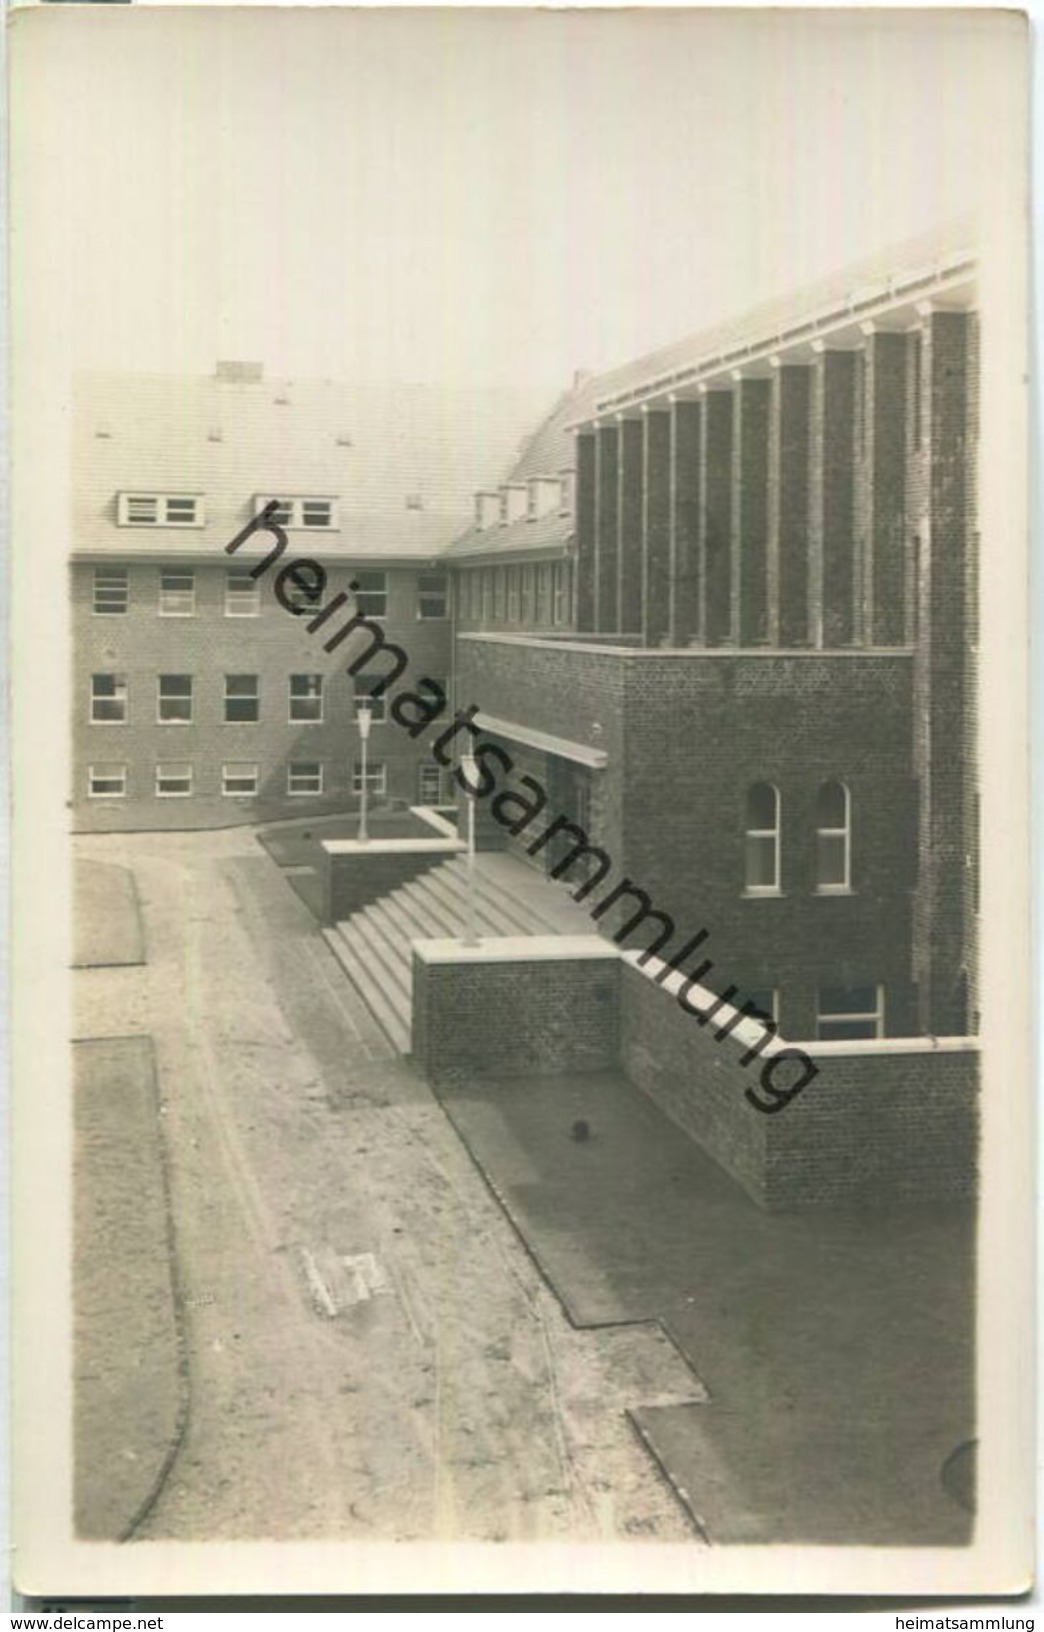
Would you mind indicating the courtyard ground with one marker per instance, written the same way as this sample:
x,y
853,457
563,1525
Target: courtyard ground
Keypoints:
x,y
371,1352
360,1315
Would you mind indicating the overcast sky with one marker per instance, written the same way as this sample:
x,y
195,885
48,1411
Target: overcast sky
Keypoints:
x,y
479,197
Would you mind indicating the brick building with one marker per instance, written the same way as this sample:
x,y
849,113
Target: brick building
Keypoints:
x,y
721,607
196,700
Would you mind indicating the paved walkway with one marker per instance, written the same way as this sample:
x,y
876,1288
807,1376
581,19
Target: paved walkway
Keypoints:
x,y
837,1348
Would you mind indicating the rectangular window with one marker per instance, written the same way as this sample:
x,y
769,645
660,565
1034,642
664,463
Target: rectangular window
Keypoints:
x,y
364,687
238,780
763,998
310,513
528,595
159,510
175,699
376,777
561,593
372,595
487,597
543,597
429,783
110,590
107,781
177,598
512,594
108,699
242,595
432,595
242,703
173,781
306,699
304,776
846,1013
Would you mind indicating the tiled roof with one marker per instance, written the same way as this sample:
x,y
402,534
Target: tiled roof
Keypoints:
x,y
547,532
863,282
404,461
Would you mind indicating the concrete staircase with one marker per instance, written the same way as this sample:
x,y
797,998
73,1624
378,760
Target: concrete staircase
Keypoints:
x,y
374,945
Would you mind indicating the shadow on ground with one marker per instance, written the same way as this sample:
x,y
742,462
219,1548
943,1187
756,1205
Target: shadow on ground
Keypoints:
x,y
837,1347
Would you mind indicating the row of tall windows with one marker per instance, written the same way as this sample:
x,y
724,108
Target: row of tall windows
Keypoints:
x,y
176,594
833,839
176,695
538,595
241,779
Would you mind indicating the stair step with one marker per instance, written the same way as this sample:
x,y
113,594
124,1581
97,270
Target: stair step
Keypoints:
x,y
399,913
441,920
510,915
390,1019
456,900
393,957
397,998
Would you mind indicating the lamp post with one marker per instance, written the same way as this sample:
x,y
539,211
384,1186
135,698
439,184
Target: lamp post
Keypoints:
x,y
469,769
363,720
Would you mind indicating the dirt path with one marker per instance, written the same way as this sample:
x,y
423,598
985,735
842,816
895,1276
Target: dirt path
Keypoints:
x,y
372,1353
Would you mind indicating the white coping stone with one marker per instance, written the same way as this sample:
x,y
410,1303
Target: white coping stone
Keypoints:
x,y
748,1031
432,819
385,847
519,949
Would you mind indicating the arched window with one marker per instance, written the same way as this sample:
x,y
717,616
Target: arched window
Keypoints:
x,y
833,838
761,853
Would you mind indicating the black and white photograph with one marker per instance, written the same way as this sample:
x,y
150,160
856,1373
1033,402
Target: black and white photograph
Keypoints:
x,y
522,1020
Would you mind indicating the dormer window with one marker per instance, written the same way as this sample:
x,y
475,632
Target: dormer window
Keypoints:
x,y
160,510
311,514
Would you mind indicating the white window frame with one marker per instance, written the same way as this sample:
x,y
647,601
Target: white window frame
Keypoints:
x,y
119,581
124,699
181,603
294,766
855,1017
133,509
378,705
191,698
293,512
376,777
228,774
426,768
305,697
243,697
95,773
749,997
169,766
442,597
844,833
242,603
760,833
361,593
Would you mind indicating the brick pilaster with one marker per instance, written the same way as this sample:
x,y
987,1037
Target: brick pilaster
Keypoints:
x,y
656,523
629,517
685,574
831,508
715,517
750,511
607,495
585,532
788,511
